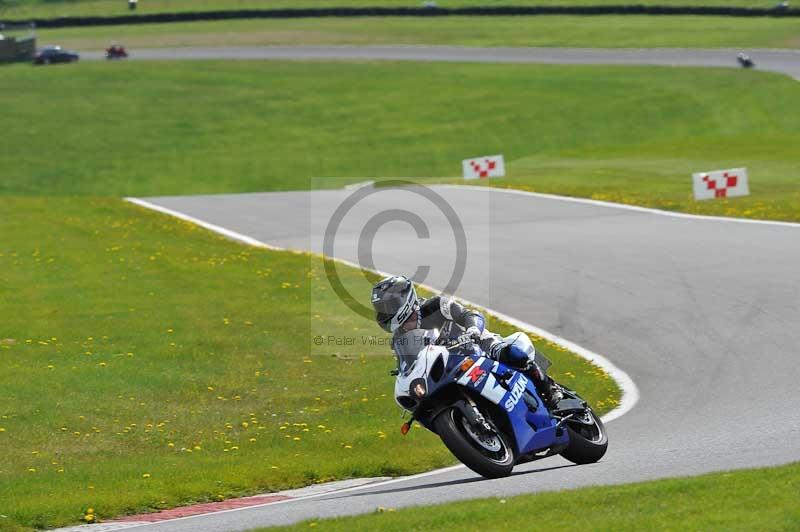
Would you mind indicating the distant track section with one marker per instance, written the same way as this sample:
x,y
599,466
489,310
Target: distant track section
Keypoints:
x,y
783,61
489,11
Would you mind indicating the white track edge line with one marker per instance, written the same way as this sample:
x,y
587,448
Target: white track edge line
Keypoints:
x,y
630,392
623,206
211,227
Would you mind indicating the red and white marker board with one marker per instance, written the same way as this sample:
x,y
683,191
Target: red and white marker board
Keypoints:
x,y
483,167
721,184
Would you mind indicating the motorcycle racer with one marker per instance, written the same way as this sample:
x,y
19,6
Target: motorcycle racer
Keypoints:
x,y
398,309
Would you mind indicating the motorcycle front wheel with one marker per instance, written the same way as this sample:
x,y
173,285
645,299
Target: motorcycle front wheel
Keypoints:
x,y
488,454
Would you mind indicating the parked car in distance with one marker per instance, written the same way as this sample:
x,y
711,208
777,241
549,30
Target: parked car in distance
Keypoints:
x,y
54,54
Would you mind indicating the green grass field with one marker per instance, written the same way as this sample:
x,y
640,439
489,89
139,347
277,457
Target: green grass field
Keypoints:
x,y
148,363
758,499
623,133
17,9
591,32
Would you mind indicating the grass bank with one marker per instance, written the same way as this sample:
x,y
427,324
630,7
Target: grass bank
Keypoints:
x,y
147,363
631,134
17,9
758,499
587,32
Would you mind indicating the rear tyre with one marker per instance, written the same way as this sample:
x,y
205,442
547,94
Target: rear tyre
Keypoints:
x,y
587,441
489,455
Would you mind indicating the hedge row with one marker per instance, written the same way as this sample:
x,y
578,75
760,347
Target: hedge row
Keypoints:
x,y
64,22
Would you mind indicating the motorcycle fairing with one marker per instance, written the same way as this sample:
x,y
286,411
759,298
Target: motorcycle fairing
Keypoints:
x,y
534,429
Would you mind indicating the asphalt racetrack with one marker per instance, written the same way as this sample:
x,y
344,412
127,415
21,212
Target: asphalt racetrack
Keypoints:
x,y
703,314
783,61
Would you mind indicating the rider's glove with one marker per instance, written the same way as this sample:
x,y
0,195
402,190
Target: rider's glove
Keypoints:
x,y
474,333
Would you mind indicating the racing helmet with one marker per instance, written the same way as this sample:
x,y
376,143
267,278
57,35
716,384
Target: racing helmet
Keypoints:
x,y
394,300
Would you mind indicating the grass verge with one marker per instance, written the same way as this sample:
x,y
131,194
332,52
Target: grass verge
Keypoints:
x,y
758,499
148,363
588,32
630,134
18,9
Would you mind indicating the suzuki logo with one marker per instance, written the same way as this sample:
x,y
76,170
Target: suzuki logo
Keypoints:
x,y
476,374
516,393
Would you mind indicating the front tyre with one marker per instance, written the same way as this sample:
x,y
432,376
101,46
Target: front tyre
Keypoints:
x,y
489,455
588,441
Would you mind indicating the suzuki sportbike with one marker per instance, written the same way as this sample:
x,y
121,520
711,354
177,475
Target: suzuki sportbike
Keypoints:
x,y
489,415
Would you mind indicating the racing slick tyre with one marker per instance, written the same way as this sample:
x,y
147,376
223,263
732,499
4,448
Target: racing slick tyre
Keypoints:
x,y
489,455
587,439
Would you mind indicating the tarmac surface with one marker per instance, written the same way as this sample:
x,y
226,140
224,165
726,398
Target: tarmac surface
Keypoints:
x,y
783,61
703,314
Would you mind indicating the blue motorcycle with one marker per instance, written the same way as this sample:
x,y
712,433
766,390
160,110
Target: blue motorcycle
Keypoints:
x,y
490,416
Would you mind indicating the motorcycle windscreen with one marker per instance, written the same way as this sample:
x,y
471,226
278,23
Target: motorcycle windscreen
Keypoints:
x,y
410,344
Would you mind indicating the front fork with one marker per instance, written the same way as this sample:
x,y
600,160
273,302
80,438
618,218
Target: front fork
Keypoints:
x,y
470,410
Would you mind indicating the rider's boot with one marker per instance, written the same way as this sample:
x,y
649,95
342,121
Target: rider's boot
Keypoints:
x,y
548,390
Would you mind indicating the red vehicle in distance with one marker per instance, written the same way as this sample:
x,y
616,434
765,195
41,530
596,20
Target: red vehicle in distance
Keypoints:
x,y
116,51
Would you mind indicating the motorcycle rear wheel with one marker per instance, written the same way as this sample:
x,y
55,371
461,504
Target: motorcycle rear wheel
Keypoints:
x,y
491,456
